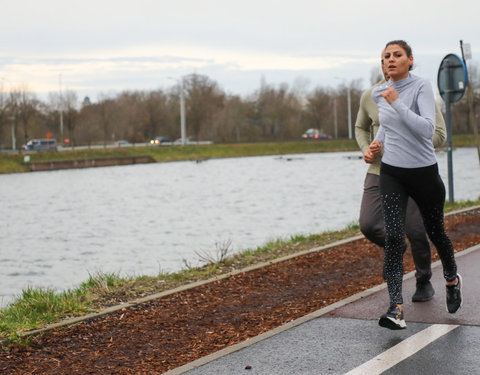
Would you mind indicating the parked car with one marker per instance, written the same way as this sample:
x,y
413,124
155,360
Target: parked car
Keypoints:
x,y
49,144
122,143
160,140
315,134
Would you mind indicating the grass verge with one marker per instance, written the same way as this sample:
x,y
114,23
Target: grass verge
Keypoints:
x,y
35,308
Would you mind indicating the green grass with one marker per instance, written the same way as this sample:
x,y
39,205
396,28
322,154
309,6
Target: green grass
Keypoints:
x,y
11,163
100,281
464,140
454,206
37,307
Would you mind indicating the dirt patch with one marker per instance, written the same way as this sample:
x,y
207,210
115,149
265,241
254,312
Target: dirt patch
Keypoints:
x,y
163,334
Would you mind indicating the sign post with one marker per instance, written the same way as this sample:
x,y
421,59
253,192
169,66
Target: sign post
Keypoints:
x,y
49,135
452,82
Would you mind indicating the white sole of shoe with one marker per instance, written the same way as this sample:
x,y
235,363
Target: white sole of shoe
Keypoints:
x,y
392,323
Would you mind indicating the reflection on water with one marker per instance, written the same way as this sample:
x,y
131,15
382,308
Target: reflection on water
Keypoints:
x,y
59,226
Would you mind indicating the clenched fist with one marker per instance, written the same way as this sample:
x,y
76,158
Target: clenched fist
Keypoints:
x,y
390,94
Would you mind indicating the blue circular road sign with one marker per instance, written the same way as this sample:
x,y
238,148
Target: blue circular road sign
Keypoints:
x,y
452,78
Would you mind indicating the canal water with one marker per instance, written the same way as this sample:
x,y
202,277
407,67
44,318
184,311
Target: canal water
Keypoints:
x,y
58,227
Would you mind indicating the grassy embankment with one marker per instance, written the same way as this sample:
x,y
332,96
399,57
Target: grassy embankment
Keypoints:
x,y
11,163
36,307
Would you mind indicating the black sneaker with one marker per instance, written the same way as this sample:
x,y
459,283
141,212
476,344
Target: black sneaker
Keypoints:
x,y
454,296
424,292
393,319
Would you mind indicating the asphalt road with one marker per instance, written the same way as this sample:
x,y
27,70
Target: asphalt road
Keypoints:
x,y
345,338
113,145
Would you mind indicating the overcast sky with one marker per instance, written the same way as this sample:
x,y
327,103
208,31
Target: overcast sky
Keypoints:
x,y
107,46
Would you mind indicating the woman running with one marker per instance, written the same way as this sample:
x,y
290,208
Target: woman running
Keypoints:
x,y
409,169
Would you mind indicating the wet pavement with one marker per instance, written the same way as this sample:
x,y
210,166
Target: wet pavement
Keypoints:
x,y
345,338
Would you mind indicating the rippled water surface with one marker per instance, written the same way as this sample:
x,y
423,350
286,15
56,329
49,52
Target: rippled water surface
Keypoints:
x,y
59,226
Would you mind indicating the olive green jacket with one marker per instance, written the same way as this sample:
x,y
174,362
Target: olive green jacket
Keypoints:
x,y
367,125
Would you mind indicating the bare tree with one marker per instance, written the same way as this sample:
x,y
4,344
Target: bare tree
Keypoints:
x,y
203,99
320,111
27,107
231,123
279,111
89,130
14,110
157,116
70,107
4,117
106,108
130,116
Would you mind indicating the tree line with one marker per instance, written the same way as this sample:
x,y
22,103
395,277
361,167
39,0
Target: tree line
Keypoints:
x,y
271,113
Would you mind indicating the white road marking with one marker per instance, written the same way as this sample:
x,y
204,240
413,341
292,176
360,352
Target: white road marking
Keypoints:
x,y
403,350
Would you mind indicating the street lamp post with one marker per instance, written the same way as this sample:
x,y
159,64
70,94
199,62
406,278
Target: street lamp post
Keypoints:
x,y
14,138
61,105
349,108
335,124
349,104
183,124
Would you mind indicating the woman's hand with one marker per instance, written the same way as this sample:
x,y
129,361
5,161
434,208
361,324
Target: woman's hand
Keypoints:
x,y
390,95
374,149
368,156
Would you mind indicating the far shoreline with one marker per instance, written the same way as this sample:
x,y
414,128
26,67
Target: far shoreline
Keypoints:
x,y
91,157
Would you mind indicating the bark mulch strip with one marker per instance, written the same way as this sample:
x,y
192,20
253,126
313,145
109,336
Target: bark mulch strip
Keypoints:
x,y
163,334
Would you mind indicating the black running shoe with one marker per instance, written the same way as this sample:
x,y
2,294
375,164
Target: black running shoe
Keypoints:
x,y
424,292
393,319
454,296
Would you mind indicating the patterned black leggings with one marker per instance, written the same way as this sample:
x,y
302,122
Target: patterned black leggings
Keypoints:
x,y
426,188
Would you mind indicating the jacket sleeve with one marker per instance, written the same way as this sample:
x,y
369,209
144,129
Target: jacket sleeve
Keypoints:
x,y
380,136
423,124
440,135
363,124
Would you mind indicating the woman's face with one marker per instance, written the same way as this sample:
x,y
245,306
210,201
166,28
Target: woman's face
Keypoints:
x,y
396,62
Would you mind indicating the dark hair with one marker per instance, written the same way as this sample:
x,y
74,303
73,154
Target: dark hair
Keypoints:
x,y
405,46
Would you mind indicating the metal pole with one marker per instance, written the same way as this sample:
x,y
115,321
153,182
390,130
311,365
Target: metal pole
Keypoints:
x,y
449,146
14,139
349,108
182,113
335,124
183,121
349,104
61,106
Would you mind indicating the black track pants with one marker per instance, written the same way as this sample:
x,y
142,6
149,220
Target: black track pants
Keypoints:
x,y
426,188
